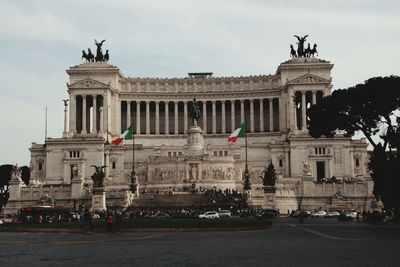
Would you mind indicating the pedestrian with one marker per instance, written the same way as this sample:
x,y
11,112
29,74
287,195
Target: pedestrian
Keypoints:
x,y
110,222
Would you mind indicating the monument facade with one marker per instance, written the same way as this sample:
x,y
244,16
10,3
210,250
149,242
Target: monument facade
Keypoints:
x,y
174,150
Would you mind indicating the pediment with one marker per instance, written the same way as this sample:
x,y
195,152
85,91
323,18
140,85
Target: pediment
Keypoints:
x,y
309,79
88,83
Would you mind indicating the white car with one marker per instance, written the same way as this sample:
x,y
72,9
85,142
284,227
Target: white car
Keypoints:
x,y
224,213
332,214
319,214
352,214
209,215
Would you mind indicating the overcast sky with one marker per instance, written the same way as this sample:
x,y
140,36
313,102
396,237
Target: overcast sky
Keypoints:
x,y
41,39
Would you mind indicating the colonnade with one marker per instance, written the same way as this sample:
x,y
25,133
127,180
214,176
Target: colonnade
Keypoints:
x,y
218,116
86,114
303,101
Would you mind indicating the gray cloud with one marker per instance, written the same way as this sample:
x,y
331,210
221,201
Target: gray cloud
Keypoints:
x,y
40,39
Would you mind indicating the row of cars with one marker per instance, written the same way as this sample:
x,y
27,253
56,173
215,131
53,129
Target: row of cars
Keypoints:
x,y
323,214
262,214
215,214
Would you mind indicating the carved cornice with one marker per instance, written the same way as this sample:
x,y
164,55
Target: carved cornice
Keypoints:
x,y
89,84
200,96
309,79
94,68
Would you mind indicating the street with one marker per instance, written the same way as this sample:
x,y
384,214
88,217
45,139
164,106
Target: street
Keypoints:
x,y
316,242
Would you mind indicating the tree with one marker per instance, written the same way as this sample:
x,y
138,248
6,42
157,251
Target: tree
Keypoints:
x,y
269,178
370,108
246,183
5,176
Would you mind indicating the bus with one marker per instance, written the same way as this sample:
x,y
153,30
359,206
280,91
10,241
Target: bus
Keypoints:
x,y
44,214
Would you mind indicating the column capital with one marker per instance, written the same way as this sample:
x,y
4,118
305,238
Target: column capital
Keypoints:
x,y
251,100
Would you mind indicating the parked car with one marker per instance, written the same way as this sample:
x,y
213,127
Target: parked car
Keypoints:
x,y
351,214
224,213
266,214
319,214
209,215
332,214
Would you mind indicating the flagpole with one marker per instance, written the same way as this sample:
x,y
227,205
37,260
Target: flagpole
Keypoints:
x,y
45,126
133,176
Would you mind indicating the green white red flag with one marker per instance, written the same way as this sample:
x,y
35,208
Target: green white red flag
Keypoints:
x,y
127,135
239,132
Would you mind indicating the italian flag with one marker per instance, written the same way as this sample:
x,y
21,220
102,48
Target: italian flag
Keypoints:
x,y
127,135
239,132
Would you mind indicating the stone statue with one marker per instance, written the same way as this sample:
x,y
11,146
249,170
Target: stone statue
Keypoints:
x,y
76,172
195,111
194,171
314,50
89,56
306,168
99,52
292,52
106,56
98,176
300,47
65,102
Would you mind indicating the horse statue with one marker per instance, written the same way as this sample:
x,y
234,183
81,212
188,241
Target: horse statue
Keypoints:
x,y
300,47
195,112
307,51
314,50
99,53
88,56
292,52
98,176
106,56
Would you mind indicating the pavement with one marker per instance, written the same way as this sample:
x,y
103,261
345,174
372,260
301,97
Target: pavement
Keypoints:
x,y
316,242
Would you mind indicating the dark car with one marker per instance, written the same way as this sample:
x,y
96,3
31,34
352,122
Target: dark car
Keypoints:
x,y
266,214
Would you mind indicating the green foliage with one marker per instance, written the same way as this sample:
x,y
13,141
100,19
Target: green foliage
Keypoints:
x,y
365,107
246,182
370,108
269,178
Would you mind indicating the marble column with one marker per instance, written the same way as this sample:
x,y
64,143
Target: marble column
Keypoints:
x,y
72,113
223,120
281,118
314,97
242,111
65,132
271,115
233,115
94,118
214,117
147,117
166,117
303,111
292,111
252,115
261,115
137,117
84,131
204,116
185,116
128,114
157,117
176,129
101,128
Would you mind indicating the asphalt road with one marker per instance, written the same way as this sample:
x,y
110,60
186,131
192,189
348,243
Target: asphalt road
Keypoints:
x,y
316,242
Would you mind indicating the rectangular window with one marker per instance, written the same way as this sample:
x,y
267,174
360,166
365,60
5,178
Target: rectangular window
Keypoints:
x,y
320,169
113,165
280,163
40,166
